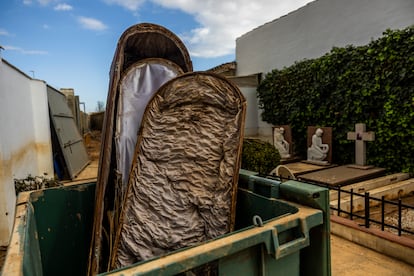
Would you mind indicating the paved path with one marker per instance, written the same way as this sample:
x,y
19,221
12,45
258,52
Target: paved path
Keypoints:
x,y
348,258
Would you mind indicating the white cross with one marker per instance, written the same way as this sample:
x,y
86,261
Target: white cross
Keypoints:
x,y
360,137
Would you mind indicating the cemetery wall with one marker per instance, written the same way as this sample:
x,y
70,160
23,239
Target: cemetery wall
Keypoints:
x,y
313,30
25,145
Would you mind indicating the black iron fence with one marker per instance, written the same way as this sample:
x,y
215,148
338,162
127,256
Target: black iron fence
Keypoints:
x,y
365,216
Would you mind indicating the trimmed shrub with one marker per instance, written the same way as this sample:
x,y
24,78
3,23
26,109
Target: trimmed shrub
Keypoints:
x,y
259,156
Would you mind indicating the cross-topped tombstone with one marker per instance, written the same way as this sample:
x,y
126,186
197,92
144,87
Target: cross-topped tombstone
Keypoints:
x,y
360,136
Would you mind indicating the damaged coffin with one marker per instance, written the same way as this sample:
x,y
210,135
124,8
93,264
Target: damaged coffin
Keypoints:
x,y
147,56
183,182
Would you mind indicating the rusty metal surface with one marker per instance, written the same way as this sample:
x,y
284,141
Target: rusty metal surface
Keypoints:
x,y
70,140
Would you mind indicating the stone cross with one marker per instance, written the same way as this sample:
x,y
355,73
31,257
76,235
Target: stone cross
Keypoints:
x,y
360,137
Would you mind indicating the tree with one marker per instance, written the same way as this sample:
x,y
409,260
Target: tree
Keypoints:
x,y
100,106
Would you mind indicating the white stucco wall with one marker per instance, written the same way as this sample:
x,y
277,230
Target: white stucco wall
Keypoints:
x,y
313,30
25,142
41,125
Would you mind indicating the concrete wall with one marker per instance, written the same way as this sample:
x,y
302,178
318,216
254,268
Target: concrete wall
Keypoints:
x,y
313,30
389,244
251,122
81,118
96,120
25,143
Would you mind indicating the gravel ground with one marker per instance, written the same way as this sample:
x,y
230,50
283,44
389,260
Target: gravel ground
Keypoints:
x,y
407,220
391,217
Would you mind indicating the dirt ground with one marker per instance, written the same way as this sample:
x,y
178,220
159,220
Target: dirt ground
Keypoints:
x,y
93,144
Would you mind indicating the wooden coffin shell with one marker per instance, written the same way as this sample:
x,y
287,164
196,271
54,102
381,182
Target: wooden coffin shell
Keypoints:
x,y
138,42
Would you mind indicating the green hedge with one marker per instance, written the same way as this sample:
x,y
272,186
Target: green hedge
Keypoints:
x,y
259,156
372,84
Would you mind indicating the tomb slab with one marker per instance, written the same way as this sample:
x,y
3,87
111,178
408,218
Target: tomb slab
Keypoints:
x,y
299,168
341,175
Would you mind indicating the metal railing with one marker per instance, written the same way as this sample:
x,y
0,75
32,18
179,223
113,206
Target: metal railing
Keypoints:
x,y
365,215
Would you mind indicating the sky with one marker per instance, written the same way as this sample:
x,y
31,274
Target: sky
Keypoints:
x,y
71,43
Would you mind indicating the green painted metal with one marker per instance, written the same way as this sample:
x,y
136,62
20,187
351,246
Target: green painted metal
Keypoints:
x,y
319,251
32,263
62,218
272,248
288,238
300,246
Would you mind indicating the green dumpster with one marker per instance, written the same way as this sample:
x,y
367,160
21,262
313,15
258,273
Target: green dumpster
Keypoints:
x,y
281,229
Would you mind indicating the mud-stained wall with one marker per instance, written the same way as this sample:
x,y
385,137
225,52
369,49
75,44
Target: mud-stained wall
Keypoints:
x,y
25,143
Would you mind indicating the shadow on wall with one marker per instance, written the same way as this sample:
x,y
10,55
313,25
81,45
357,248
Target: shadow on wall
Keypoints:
x,y
96,120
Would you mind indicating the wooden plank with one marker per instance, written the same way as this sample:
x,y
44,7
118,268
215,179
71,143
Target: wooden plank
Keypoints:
x,y
246,81
362,187
390,192
13,264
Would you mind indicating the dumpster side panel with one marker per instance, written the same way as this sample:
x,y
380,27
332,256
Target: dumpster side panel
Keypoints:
x,y
32,262
316,258
256,261
64,227
23,253
272,246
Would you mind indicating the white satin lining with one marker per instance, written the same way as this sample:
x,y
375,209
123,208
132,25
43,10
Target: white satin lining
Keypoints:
x,y
137,87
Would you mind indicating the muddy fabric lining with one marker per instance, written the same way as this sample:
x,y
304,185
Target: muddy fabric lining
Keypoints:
x,y
183,183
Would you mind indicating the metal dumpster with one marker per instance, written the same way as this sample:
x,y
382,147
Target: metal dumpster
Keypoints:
x,y
281,229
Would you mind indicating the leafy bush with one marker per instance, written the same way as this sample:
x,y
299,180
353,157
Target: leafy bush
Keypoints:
x,y
372,84
259,156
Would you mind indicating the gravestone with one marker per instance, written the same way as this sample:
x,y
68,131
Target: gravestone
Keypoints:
x,y
360,136
326,140
348,174
282,141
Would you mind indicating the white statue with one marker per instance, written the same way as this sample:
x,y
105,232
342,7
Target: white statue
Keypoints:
x,y
280,143
317,151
